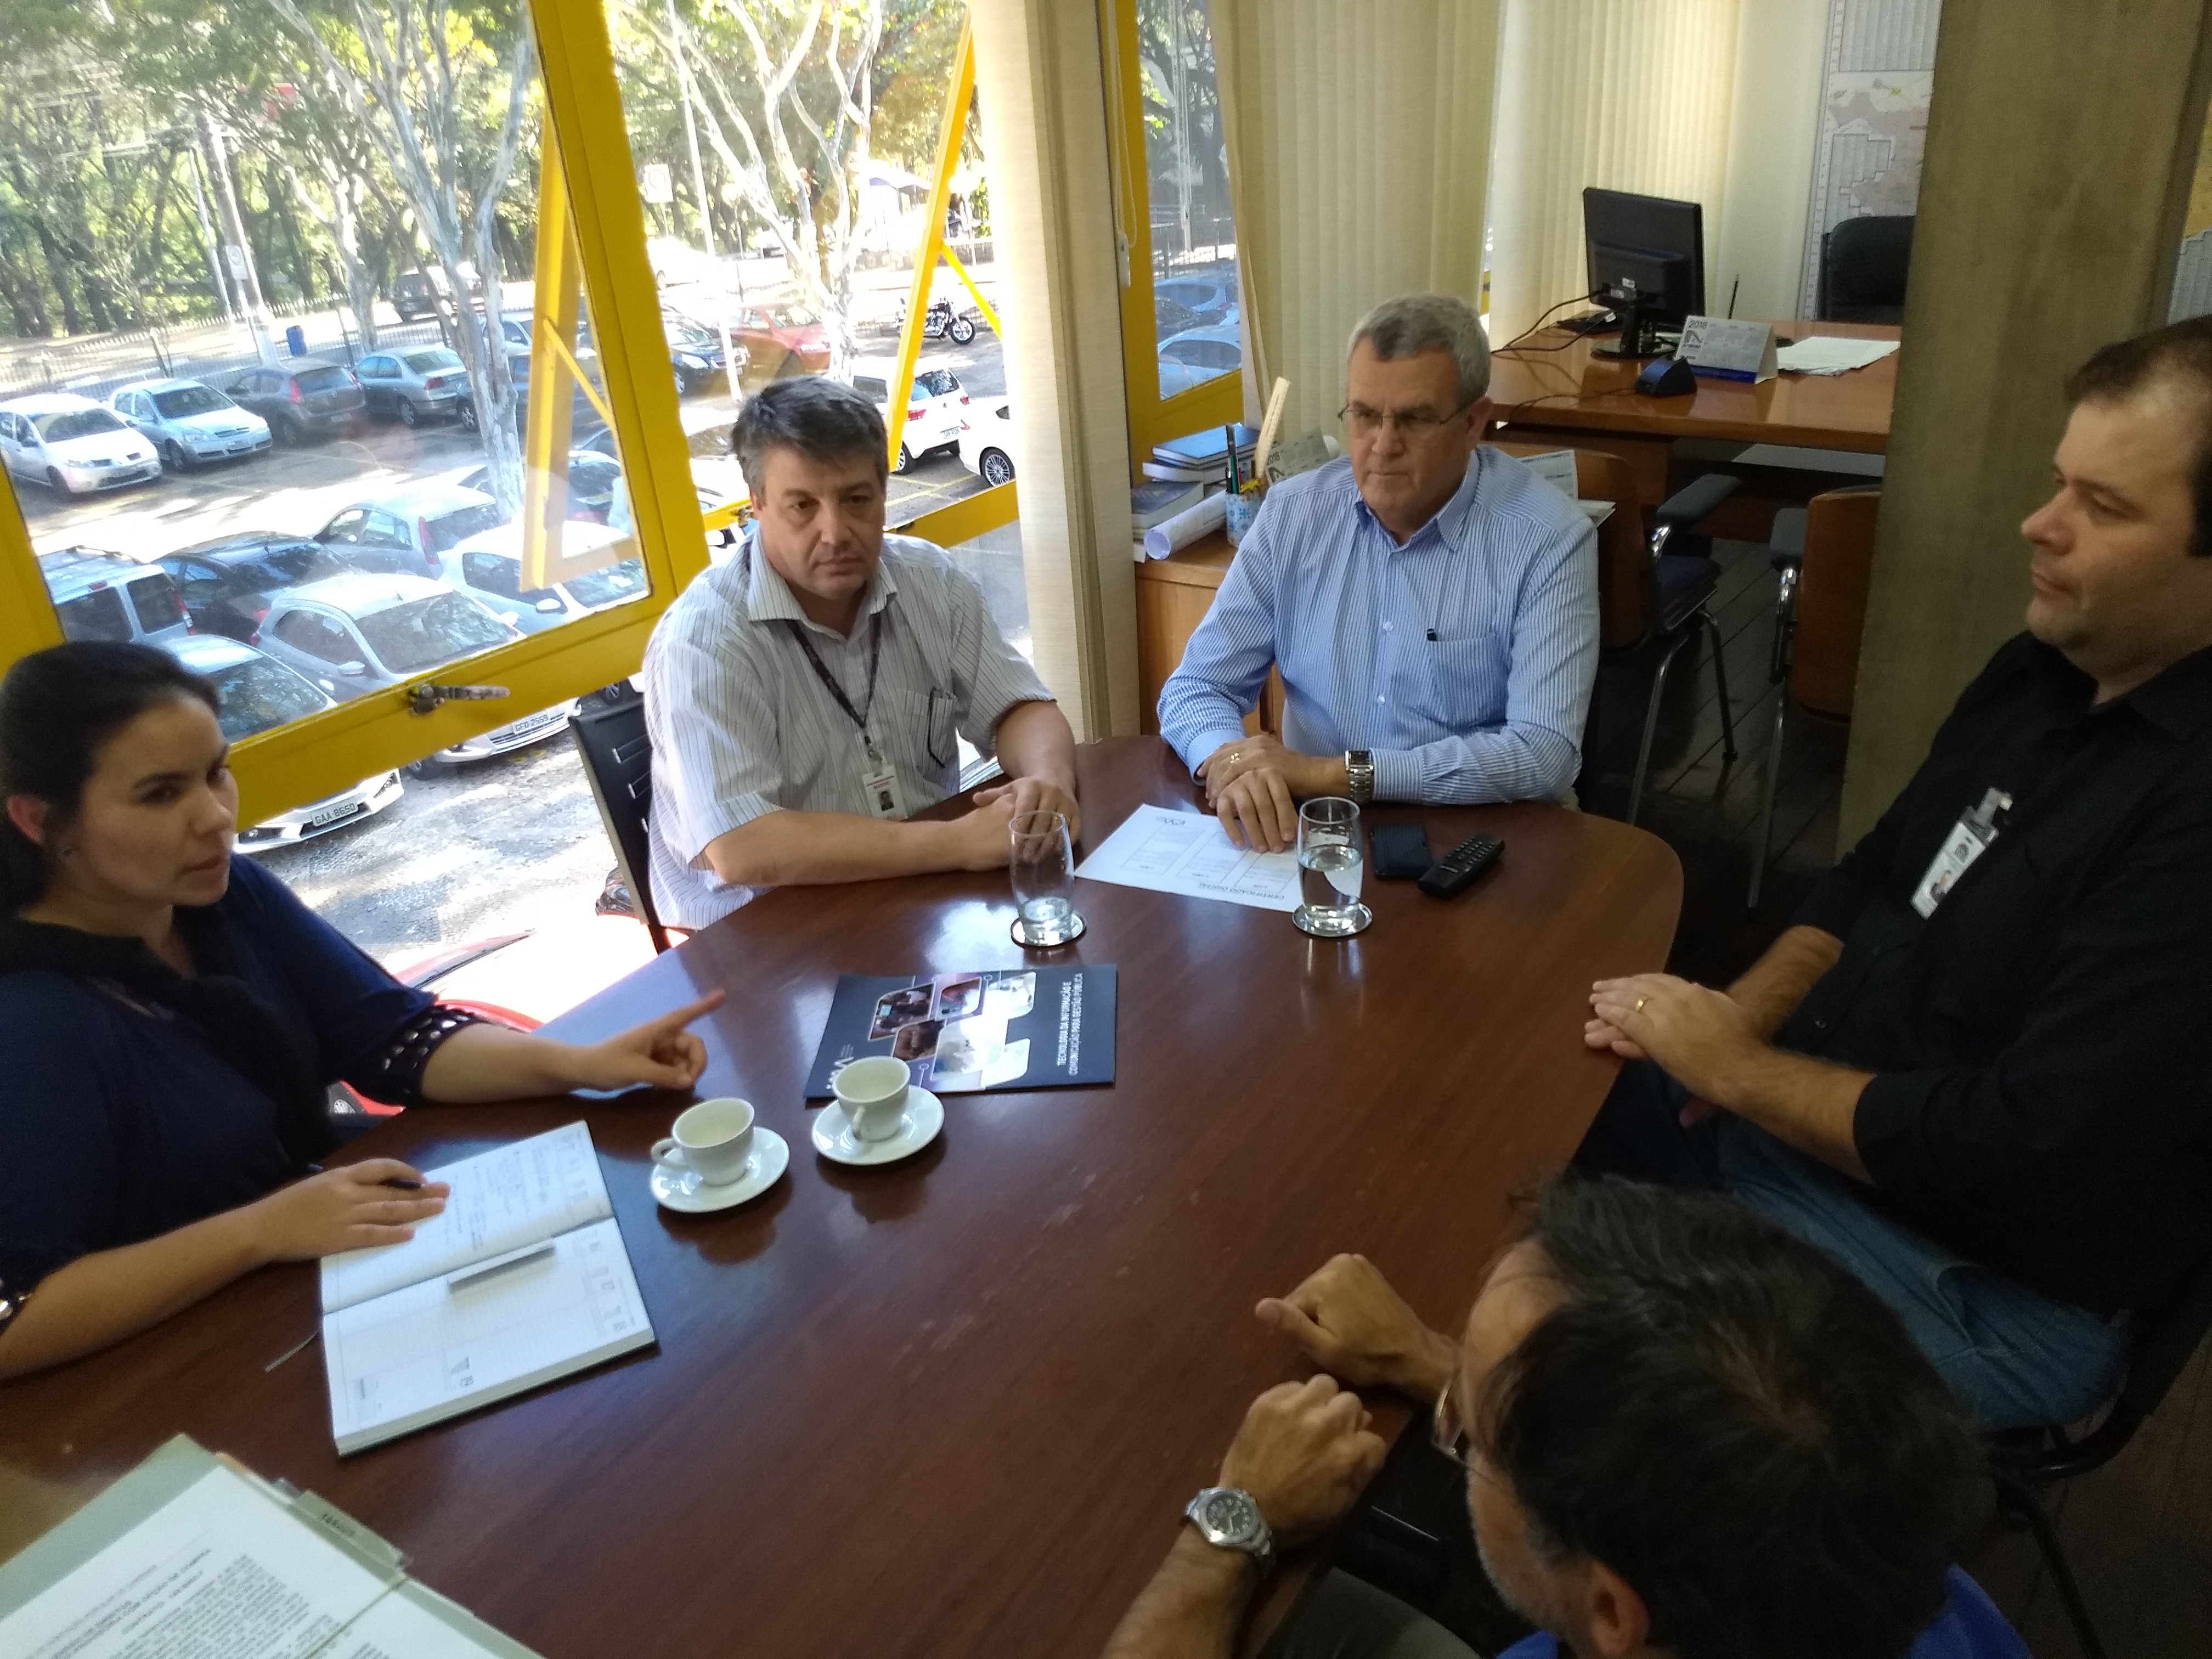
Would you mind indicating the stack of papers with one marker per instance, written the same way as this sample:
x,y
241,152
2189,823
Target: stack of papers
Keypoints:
x,y
1830,354
1190,853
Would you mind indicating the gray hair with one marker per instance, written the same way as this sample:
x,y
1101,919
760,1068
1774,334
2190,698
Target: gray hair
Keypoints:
x,y
822,419
1414,323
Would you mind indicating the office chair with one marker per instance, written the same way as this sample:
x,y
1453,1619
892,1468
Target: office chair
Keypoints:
x,y
2024,1461
618,761
1863,263
1824,554
1675,588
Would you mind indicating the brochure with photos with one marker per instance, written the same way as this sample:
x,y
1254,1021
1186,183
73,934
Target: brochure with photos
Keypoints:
x,y
1033,1028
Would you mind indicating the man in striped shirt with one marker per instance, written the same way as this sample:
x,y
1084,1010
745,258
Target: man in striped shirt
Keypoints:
x,y
803,698
1431,605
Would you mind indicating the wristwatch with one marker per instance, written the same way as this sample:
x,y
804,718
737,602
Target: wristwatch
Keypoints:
x,y
1228,1519
1359,775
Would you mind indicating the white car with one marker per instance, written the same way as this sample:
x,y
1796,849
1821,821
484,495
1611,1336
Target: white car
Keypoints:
x,y
1199,355
405,533
72,444
986,444
189,422
360,633
934,410
488,568
259,693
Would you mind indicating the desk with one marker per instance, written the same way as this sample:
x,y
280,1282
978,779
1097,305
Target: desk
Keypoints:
x,y
1570,397
954,1406
1173,596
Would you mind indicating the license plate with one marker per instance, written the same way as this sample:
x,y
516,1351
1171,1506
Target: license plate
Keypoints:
x,y
332,814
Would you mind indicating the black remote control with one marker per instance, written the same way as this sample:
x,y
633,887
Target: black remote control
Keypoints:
x,y
1456,870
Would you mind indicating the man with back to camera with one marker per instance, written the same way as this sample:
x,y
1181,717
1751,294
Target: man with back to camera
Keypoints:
x,y
1431,605
803,697
1970,1069
1686,1433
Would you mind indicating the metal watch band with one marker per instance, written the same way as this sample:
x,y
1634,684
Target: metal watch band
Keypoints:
x,y
1230,1519
1359,775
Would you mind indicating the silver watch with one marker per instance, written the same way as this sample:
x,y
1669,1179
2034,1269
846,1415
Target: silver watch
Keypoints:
x,y
1228,1519
1359,775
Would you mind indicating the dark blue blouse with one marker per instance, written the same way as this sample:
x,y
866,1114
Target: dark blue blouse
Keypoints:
x,y
120,1121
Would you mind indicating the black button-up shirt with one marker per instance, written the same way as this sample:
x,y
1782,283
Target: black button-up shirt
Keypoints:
x,y
2043,1097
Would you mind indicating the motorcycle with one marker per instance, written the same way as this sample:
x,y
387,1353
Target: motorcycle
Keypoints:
x,y
941,321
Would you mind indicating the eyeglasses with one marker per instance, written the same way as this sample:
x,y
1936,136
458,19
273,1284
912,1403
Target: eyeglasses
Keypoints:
x,y
1412,424
1446,1432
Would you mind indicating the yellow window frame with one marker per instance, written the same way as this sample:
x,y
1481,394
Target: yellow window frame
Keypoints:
x,y
1152,419
586,159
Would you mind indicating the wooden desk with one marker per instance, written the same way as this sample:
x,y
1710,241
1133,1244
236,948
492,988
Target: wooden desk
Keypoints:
x,y
1572,397
953,1406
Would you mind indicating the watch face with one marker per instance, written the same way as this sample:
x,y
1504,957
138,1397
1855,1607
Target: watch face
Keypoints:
x,y
1231,1515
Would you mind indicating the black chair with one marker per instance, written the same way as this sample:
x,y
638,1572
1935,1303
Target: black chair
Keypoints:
x,y
2023,1462
1676,587
618,760
1863,264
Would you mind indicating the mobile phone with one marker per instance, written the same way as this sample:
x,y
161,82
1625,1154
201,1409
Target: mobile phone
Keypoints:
x,y
1399,852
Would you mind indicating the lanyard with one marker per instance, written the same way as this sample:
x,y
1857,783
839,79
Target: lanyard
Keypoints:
x,y
858,716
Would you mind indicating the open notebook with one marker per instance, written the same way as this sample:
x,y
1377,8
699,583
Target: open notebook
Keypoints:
x,y
189,1553
522,1280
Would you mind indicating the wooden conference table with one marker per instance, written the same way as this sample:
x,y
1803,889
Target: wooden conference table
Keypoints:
x,y
952,1407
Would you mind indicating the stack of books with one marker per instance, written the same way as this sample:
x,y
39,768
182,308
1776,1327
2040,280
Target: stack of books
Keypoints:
x,y
1202,458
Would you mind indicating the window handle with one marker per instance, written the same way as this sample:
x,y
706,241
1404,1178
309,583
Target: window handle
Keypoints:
x,y
426,698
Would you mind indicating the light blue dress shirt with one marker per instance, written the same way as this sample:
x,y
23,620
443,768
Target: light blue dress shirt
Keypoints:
x,y
1462,660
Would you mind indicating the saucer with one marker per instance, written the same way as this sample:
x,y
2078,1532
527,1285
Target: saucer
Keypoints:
x,y
918,1125
678,1189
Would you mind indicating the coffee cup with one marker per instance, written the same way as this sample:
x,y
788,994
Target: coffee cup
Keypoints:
x,y
872,1091
713,1140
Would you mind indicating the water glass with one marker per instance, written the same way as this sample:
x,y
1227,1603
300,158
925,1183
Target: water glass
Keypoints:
x,y
1043,866
1331,863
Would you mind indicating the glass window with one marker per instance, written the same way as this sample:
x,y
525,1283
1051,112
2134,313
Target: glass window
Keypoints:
x,y
345,528
292,566
625,581
424,632
451,529
493,573
95,615
155,599
76,424
258,694
1187,176
180,401
430,363
316,636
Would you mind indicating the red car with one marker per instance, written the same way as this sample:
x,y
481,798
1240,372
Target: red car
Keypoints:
x,y
781,340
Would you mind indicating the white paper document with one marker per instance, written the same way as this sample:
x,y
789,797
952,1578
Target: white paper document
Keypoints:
x,y
1832,353
1190,853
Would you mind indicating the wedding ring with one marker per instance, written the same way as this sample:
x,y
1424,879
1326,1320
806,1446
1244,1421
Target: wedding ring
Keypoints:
x,y
1638,1008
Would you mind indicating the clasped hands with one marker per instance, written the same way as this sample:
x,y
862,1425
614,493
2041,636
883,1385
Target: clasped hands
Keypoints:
x,y
1306,1450
1704,1039
1254,784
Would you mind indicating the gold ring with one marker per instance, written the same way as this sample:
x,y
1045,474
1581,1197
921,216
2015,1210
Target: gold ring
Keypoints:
x,y
1640,1001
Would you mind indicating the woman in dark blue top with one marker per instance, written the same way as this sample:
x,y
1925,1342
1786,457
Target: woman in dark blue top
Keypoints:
x,y
171,1017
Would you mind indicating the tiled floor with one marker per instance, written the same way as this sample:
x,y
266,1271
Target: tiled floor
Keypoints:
x,y
2139,1531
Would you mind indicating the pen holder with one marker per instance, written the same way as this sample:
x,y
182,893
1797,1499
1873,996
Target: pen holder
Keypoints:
x,y
1237,513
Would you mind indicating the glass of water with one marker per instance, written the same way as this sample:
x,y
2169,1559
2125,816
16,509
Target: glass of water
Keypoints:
x,y
1043,866
1330,865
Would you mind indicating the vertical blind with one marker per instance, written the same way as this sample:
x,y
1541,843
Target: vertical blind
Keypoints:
x,y
1628,94
1359,156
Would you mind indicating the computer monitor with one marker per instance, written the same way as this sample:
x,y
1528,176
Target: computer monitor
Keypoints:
x,y
1647,262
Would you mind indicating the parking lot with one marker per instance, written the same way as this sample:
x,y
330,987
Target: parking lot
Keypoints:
x,y
500,845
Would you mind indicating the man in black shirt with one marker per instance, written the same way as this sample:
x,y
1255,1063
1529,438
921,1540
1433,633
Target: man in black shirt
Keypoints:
x,y
1970,1070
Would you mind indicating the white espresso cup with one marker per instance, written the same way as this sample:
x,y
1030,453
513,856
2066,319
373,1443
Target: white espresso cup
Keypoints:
x,y
872,1091
713,1140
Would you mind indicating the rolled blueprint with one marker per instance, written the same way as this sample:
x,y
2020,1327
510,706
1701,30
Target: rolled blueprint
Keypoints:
x,y
1190,526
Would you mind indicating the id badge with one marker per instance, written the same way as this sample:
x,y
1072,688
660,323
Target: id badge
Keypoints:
x,y
1967,839
879,781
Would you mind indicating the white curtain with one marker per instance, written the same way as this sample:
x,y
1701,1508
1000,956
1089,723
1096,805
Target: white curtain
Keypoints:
x,y
1359,156
1626,94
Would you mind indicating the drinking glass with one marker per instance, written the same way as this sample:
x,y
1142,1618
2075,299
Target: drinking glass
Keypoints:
x,y
1330,865
1043,866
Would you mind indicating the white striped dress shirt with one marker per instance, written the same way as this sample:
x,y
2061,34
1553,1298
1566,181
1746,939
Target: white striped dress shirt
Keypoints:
x,y
1462,660
741,724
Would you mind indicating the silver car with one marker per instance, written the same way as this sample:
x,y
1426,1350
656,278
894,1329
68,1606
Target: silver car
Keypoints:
x,y
428,382
356,634
189,422
488,568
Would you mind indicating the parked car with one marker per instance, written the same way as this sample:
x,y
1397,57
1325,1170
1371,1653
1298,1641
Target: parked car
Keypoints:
x,y
1208,302
303,398
428,382
488,568
695,352
529,729
1198,354
72,445
514,333
257,693
934,409
405,531
986,445
189,422
591,480
104,596
417,293
783,339
227,582
361,632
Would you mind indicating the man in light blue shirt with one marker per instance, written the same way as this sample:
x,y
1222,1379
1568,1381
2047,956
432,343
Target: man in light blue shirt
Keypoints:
x,y
1431,605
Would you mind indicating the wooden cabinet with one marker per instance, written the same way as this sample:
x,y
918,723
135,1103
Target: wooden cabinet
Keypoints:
x,y
1173,596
